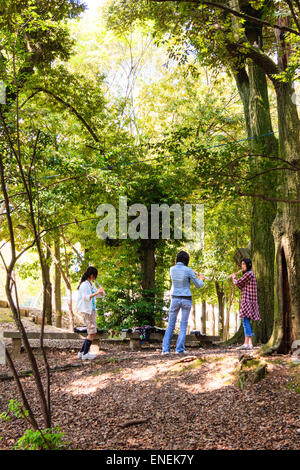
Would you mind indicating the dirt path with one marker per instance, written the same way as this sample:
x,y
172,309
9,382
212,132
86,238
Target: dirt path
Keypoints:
x,y
188,405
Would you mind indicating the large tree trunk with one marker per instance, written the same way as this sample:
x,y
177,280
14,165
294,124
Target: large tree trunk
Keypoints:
x,y
263,212
286,228
57,285
254,94
147,257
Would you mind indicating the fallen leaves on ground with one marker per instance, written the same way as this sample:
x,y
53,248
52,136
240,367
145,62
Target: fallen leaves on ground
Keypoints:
x,y
198,407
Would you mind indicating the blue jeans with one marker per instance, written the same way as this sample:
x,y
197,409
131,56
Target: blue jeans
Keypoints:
x,y
247,327
176,304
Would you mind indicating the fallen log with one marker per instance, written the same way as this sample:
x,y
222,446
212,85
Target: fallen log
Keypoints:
x,y
132,422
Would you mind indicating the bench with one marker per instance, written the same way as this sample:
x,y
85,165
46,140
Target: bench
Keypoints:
x,y
15,336
135,341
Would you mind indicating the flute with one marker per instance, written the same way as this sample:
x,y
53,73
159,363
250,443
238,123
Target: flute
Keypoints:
x,y
98,285
237,272
214,278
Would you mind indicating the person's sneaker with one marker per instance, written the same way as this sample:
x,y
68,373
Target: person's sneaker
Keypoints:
x,y
165,352
181,352
249,347
79,355
88,356
244,346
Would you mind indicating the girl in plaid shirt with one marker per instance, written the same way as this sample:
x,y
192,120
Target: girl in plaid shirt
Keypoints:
x,y
249,305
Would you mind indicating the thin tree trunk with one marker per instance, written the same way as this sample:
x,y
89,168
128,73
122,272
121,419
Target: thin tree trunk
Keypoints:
x,y
68,285
228,310
221,297
203,318
213,320
9,287
48,288
193,312
22,394
57,284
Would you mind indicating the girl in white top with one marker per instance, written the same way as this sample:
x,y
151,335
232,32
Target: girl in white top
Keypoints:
x,y
86,305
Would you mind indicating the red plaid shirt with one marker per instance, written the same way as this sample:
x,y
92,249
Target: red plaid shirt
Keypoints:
x,y
249,303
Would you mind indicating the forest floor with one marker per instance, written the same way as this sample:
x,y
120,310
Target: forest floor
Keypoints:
x,y
192,404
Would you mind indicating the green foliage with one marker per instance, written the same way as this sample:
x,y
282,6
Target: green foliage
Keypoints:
x,y
122,310
47,439
152,145
16,409
194,31
4,416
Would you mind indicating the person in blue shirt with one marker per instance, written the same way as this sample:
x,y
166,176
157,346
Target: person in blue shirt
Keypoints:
x,y
181,275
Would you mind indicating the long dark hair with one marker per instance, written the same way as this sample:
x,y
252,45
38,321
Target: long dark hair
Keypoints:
x,y
183,257
248,263
90,270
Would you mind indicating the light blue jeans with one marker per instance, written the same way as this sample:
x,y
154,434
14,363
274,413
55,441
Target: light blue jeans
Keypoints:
x,y
176,304
247,327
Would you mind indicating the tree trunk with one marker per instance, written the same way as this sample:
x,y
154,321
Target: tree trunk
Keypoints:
x,y
252,87
47,289
235,322
9,288
254,94
286,228
68,285
263,212
57,285
213,320
228,310
147,257
194,316
221,298
203,318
